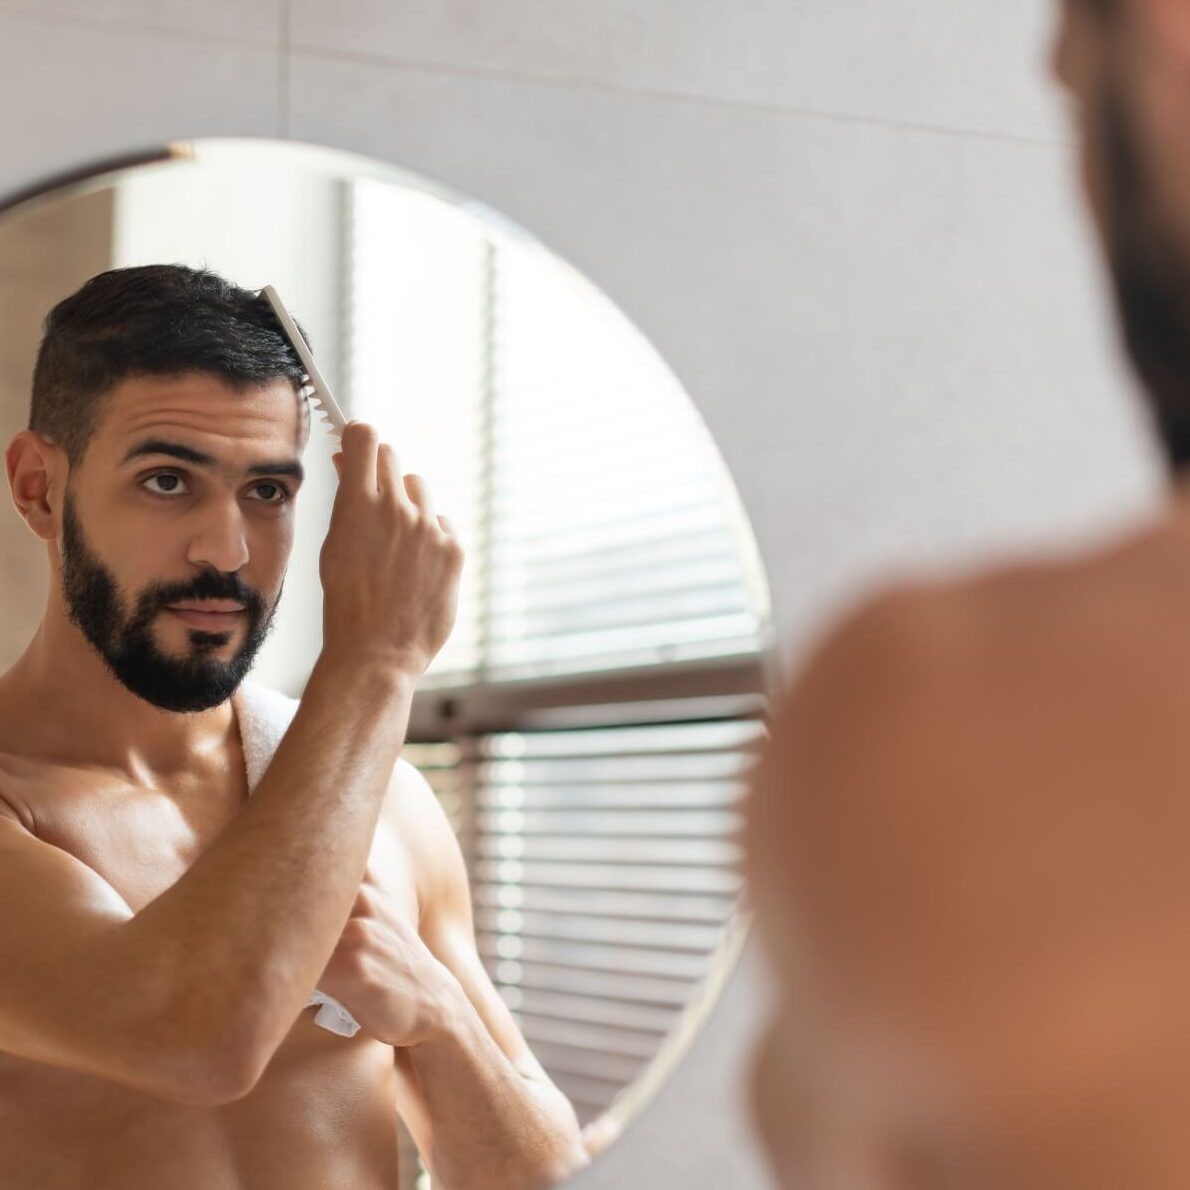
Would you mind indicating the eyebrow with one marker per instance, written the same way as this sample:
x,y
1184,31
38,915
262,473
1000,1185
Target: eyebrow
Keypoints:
x,y
176,450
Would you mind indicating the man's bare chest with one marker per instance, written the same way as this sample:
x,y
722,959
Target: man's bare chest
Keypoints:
x,y
142,840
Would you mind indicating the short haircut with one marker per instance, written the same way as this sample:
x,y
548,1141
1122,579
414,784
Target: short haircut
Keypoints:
x,y
151,320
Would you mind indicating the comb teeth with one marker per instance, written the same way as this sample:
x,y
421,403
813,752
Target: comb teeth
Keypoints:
x,y
312,395
314,386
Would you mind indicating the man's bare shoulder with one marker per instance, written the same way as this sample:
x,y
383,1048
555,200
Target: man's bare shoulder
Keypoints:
x,y
416,819
411,801
939,658
956,751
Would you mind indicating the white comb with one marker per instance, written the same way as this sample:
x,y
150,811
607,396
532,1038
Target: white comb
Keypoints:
x,y
317,390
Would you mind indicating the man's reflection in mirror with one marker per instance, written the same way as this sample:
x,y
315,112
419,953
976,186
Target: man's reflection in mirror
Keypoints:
x,y
968,840
164,930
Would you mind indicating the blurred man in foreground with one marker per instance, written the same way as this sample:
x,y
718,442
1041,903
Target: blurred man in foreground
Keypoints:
x,y
970,838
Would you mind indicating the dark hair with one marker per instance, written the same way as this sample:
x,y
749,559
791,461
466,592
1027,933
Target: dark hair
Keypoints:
x,y
151,320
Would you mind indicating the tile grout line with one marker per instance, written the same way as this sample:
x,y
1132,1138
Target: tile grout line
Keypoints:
x,y
287,51
579,84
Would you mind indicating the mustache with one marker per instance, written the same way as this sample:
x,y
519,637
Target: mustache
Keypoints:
x,y
208,585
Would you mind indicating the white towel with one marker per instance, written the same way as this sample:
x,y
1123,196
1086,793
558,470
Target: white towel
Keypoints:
x,y
264,715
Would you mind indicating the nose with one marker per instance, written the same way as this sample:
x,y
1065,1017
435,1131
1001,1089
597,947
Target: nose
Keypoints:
x,y
220,542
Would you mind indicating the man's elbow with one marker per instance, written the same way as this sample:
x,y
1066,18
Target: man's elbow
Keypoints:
x,y
230,1080
207,1080
201,1069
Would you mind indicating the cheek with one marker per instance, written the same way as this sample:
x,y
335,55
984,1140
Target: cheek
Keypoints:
x,y
270,546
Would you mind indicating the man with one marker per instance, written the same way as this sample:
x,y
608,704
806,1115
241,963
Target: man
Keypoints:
x,y
968,841
161,931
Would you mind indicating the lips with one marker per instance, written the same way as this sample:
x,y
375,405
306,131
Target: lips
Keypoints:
x,y
211,614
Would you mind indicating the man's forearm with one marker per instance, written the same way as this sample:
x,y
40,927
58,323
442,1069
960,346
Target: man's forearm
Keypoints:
x,y
250,925
493,1127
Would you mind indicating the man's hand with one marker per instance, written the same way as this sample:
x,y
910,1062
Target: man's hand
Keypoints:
x,y
384,974
390,566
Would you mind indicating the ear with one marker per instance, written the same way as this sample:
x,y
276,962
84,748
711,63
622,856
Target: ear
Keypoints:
x,y
36,468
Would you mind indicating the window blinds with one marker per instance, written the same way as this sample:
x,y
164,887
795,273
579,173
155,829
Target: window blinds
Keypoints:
x,y
604,866
600,527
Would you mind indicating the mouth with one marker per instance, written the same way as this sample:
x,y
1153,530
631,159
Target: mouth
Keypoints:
x,y
212,615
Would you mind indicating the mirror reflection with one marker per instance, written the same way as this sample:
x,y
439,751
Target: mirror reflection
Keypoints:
x,y
555,856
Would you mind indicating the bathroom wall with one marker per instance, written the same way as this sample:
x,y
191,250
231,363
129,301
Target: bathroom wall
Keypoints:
x,y
46,253
852,229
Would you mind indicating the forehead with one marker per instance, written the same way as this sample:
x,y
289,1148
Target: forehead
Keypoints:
x,y
270,416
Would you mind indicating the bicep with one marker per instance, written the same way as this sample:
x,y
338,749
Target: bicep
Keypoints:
x,y
62,987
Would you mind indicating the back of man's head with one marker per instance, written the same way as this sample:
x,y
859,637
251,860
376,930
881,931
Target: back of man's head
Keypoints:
x,y
156,320
1125,65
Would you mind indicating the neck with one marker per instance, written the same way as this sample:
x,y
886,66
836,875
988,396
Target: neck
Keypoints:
x,y
94,718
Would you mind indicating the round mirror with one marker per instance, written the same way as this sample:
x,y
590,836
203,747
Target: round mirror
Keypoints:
x,y
589,724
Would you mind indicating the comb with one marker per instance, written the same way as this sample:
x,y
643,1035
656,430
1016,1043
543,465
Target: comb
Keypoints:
x,y
318,391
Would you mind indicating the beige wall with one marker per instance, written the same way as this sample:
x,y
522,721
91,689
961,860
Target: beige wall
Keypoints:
x,y
45,255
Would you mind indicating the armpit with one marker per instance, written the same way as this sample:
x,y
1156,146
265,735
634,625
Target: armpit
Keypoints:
x,y
13,807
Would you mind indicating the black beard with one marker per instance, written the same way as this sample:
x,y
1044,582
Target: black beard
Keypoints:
x,y
1151,278
196,682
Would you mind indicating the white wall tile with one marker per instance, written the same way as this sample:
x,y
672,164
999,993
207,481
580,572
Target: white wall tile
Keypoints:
x,y
89,93
256,22
974,65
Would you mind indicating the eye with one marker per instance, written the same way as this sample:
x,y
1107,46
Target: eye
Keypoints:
x,y
284,494
170,477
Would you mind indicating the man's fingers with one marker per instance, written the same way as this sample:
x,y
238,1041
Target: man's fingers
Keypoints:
x,y
389,469
358,468
373,466
419,494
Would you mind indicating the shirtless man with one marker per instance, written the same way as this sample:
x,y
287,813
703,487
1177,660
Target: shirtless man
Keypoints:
x,y
969,839
162,931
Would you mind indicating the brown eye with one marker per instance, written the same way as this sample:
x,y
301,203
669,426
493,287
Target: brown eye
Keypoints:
x,y
170,481
282,492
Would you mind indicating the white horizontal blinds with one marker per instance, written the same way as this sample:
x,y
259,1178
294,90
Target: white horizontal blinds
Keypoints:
x,y
595,509
416,359
605,868
609,541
